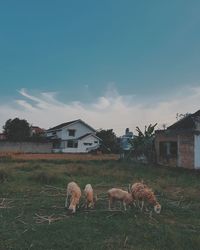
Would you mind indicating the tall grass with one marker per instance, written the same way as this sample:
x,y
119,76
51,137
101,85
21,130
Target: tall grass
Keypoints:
x,y
44,177
5,175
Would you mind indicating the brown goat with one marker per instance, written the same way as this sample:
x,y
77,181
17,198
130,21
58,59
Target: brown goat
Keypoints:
x,y
120,195
142,192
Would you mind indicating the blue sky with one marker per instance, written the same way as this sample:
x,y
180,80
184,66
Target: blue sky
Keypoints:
x,y
90,52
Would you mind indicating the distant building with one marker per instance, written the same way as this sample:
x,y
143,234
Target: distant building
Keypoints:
x,y
125,144
73,137
35,130
2,136
125,140
179,144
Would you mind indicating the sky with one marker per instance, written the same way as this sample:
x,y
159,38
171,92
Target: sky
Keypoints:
x,y
112,63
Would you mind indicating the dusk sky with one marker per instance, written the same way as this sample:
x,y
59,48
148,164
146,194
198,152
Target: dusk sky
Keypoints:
x,y
112,63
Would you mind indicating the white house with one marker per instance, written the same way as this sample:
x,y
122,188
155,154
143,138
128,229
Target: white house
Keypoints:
x,y
73,137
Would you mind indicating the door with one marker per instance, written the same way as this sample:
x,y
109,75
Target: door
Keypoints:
x,y
197,151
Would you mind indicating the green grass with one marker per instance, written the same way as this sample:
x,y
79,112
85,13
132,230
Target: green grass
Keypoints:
x,y
26,187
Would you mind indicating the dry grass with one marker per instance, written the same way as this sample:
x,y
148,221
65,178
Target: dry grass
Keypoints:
x,y
37,214
75,157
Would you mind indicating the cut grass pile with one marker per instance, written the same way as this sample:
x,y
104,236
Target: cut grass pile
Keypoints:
x,y
32,214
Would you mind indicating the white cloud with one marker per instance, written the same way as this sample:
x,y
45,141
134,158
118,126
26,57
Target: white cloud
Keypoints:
x,y
109,111
25,105
102,103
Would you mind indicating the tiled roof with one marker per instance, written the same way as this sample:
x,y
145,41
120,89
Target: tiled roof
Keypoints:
x,y
83,136
60,126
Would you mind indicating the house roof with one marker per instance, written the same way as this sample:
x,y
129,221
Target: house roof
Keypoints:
x,y
37,129
62,125
188,122
88,134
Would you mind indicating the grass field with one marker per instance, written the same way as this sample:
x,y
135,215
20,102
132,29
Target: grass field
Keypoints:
x,y
32,214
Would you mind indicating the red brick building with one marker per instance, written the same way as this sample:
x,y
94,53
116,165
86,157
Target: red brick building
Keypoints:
x,y
2,136
179,144
37,130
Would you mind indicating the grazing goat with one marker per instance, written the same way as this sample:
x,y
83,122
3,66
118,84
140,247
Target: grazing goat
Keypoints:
x,y
140,191
89,196
74,193
120,195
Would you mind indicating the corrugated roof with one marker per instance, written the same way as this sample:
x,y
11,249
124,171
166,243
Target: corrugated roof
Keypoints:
x,y
187,122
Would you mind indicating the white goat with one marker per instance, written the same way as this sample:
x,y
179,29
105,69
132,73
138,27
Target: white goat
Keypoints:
x,y
89,196
74,193
120,195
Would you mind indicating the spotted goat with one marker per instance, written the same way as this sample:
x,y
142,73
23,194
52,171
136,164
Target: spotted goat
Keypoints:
x,y
141,192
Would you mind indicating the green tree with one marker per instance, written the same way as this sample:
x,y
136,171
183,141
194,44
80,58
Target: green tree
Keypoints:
x,y
110,142
143,143
181,116
17,130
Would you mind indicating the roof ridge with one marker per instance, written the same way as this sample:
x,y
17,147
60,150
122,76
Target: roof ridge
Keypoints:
x,y
187,119
60,126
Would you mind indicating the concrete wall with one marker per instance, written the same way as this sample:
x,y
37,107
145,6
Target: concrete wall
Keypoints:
x,y
82,148
197,151
25,147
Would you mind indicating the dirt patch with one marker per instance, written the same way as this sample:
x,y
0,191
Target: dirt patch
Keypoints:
x,y
75,157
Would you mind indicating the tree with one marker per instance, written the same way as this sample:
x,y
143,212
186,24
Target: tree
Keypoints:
x,y
181,116
142,144
17,130
109,141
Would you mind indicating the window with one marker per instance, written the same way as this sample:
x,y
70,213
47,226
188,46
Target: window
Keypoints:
x,y
95,141
72,144
173,148
71,132
56,144
168,149
87,143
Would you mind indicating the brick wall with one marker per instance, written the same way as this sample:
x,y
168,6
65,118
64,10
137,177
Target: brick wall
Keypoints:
x,y
162,137
186,151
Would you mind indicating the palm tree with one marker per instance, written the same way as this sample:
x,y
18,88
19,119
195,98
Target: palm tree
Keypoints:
x,y
142,144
